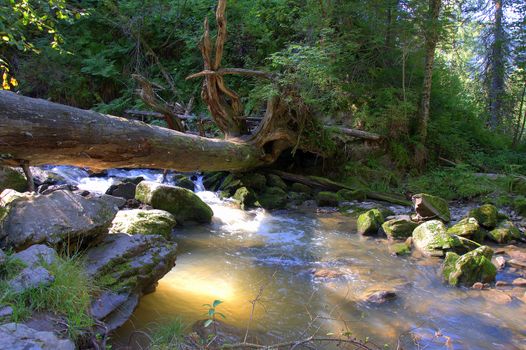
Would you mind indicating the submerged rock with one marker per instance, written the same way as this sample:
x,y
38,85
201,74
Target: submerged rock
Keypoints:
x,y
486,215
380,296
60,217
17,336
474,266
12,179
127,266
399,228
183,204
430,207
369,222
145,222
431,238
400,249
273,198
505,232
327,199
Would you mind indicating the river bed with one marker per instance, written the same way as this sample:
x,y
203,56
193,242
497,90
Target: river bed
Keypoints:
x,y
276,254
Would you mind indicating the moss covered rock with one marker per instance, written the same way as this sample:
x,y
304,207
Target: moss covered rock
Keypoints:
x,y
184,182
255,181
349,195
431,238
474,266
399,228
273,198
430,207
301,188
369,222
467,227
519,205
505,232
246,197
327,199
400,249
145,222
212,180
183,204
274,180
486,215
230,185
12,179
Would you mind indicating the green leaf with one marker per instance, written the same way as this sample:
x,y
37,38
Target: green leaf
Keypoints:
x,y
220,314
216,302
208,323
211,312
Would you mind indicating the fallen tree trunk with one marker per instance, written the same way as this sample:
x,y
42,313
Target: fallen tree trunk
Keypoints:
x,y
41,132
326,184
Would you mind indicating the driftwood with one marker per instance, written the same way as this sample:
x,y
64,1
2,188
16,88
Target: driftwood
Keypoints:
x,y
365,135
326,184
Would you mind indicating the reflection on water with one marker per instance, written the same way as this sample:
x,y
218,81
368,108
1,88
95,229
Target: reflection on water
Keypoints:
x,y
241,252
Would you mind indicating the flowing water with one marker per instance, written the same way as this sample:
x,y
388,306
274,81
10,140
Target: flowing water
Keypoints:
x,y
246,253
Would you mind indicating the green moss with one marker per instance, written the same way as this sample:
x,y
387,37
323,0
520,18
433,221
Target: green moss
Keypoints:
x,y
467,227
400,249
252,180
486,215
350,195
298,187
276,181
432,239
399,228
327,199
138,221
245,197
505,232
433,206
12,179
369,222
519,205
475,266
273,198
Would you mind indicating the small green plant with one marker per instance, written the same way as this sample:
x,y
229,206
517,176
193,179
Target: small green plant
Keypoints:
x,y
169,335
212,312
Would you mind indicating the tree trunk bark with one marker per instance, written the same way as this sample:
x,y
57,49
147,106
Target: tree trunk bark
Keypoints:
x,y
41,132
497,68
430,46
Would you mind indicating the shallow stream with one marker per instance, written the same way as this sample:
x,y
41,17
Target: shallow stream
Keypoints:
x,y
244,252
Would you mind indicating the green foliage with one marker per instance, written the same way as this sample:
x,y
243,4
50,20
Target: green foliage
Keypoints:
x,y
69,295
452,183
212,312
168,335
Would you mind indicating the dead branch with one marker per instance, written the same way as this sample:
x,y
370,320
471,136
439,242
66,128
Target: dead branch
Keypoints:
x,y
365,135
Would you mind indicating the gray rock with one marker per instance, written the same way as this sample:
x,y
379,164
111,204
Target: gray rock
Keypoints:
x,y
3,257
61,216
118,202
30,278
130,263
380,296
5,312
36,255
127,266
16,336
47,189
124,190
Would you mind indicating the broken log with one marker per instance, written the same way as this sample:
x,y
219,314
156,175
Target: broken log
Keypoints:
x,y
364,135
330,185
42,132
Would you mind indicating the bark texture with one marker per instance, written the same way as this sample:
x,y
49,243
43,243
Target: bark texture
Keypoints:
x,y
430,46
41,132
497,68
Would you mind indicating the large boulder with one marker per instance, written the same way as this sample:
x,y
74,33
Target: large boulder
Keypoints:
x,y
505,232
145,222
399,228
127,266
369,222
17,336
273,198
274,180
60,217
431,238
37,254
12,179
183,204
254,180
474,266
487,215
430,207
